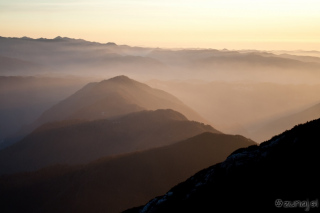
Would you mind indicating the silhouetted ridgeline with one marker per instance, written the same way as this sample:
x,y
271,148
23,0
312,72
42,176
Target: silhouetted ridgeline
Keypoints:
x,y
76,142
285,167
110,98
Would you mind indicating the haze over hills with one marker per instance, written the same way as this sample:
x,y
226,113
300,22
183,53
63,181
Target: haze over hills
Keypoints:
x,y
312,53
253,93
249,88
116,183
301,58
281,124
243,107
24,98
258,177
78,142
9,66
63,55
159,106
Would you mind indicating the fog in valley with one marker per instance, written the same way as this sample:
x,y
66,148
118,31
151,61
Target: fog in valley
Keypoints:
x,y
235,91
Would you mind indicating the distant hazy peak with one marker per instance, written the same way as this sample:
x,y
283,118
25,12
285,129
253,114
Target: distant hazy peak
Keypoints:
x,y
111,44
25,37
59,38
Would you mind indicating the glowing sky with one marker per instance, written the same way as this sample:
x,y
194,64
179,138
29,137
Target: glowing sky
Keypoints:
x,y
234,24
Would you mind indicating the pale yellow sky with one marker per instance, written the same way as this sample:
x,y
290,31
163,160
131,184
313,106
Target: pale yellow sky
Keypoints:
x,y
232,24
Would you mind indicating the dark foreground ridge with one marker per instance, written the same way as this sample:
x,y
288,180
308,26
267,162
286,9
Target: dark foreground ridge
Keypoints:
x,y
254,179
114,184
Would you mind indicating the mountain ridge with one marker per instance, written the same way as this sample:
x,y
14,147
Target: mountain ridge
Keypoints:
x,y
77,141
273,164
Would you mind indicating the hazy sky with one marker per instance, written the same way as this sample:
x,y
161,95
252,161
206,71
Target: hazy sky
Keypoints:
x,y
234,24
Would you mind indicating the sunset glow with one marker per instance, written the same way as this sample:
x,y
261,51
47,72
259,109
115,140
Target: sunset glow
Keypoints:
x,y
265,24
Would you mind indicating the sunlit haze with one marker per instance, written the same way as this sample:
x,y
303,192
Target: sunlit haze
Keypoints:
x,y
232,24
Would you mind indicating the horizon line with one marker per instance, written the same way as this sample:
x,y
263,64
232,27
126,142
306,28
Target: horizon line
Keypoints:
x,y
175,48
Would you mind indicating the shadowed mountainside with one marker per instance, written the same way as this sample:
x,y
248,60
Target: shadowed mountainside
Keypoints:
x,y
116,183
75,142
252,179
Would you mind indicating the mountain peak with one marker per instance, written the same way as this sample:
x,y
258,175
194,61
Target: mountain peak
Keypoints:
x,y
119,79
114,97
59,38
111,44
26,38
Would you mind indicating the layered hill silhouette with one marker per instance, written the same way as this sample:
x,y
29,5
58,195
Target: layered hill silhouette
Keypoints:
x,y
116,183
114,97
252,60
284,123
279,174
76,56
78,141
301,58
211,58
110,98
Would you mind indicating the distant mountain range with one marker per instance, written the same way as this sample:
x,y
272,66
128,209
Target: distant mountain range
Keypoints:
x,y
115,183
253,60
63,55
269,177
75,56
